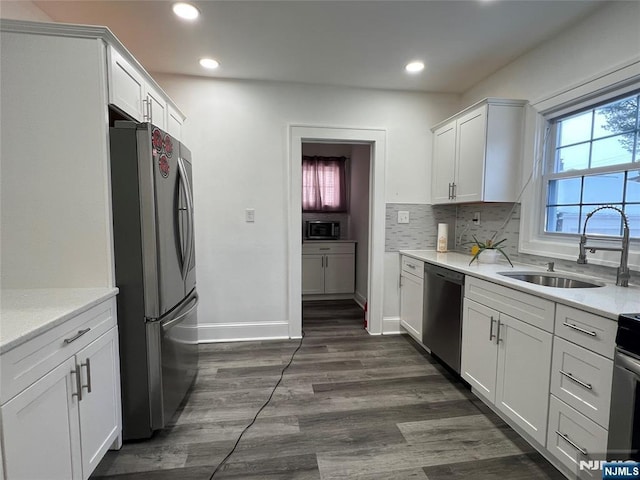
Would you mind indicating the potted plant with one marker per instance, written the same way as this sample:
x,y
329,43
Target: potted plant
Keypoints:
x,y
491,249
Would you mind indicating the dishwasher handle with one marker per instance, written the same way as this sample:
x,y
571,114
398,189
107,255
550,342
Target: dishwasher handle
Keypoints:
x,y
444,273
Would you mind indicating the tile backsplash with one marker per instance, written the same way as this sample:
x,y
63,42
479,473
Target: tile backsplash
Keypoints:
x,y
420,233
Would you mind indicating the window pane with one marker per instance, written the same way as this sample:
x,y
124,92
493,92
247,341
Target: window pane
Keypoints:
x,y
563,219
633,215
633,186
616,117
572,158
564,191
605,222
603,189
575,129
612,151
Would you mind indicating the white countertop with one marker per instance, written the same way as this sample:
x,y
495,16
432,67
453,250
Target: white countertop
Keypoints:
x,y
25,314
608,301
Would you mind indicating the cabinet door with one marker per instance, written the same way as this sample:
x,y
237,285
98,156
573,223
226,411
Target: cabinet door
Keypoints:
x,y
339,273
174,123
411,305
479,352
470,145
524,363
443,170
40,429
126,86
99,408
157,108
312,274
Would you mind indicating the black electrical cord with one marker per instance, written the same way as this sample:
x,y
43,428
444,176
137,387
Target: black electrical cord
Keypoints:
x,y
224,460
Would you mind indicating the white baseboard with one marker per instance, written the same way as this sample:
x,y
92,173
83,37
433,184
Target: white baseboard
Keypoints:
x,y
391,325
360,299
233,332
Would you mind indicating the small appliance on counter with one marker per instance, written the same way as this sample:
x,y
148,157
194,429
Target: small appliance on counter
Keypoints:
x,y
321,230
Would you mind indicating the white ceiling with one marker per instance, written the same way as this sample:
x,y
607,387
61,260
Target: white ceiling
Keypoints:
x,y
353,43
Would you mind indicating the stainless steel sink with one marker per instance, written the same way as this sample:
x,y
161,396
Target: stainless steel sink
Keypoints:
x,y
552,279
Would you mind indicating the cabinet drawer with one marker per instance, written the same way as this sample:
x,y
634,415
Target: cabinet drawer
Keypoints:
x,y
582,379
586,329
25,364
328,248
533,310
413,266
572,437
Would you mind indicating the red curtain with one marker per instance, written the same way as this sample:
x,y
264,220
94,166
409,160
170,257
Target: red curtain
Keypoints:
x,y
324,184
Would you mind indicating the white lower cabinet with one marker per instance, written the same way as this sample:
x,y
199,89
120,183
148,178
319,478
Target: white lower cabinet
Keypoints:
x,y
573,438
328,268
506,360
411,296
62,423
41,429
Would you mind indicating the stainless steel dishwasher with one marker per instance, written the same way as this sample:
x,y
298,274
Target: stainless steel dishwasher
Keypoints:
x,y
442,313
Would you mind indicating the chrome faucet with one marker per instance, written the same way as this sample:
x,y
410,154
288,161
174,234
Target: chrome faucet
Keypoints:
x,y
622,274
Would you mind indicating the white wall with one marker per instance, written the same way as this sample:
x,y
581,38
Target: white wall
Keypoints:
x,y
237,131
359,213
606,39
22,10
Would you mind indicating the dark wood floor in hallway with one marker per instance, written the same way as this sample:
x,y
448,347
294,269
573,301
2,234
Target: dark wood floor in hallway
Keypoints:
x,y
351,406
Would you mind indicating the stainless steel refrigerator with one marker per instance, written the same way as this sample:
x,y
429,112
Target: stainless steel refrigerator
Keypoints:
x,y
155,271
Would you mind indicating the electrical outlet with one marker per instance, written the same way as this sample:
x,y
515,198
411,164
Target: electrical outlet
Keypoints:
x,y
403,216
250,215
476,219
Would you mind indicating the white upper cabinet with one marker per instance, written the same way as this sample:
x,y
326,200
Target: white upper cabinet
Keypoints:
x,y
132,91
476,154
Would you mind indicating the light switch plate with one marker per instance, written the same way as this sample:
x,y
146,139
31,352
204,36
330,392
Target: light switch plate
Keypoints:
x,y
403,216
250,215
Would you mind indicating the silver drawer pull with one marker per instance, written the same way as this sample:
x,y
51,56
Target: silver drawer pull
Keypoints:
x,y
491,335
579,382
582,330
326,248
411,266
572,443
88,366
76,336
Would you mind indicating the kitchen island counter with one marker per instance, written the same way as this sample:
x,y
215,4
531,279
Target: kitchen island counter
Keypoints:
x,y
608,301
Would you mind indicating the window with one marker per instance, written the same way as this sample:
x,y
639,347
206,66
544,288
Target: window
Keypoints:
x,y
593,159
324,184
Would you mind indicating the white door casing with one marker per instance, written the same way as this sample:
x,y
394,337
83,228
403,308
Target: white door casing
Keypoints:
x,y
376,138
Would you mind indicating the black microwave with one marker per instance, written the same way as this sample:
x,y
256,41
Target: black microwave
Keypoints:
x,y
321,230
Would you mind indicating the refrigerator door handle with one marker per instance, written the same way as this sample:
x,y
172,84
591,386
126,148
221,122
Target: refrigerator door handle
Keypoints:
x,y
168,325
187,193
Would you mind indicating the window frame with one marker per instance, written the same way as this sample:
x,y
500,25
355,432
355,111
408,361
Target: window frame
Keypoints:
x,y
533,238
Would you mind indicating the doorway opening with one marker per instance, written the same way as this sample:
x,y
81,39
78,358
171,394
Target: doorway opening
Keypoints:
x,y
368,144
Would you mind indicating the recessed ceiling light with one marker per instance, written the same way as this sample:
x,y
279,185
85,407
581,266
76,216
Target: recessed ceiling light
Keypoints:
x,y
414,67
186,11
209,63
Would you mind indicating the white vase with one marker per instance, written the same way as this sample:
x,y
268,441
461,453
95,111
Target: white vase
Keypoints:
x,y
489,256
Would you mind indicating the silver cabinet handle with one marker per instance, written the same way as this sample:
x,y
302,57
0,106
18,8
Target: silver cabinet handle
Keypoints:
x,y
145,110
579,382
450,191
491,335
87,364
498,339
67,341
572,443
325,248
76,372
411,266
581,330
453,190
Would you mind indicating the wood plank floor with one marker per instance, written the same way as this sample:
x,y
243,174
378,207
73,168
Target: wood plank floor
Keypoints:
x,y
351,406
